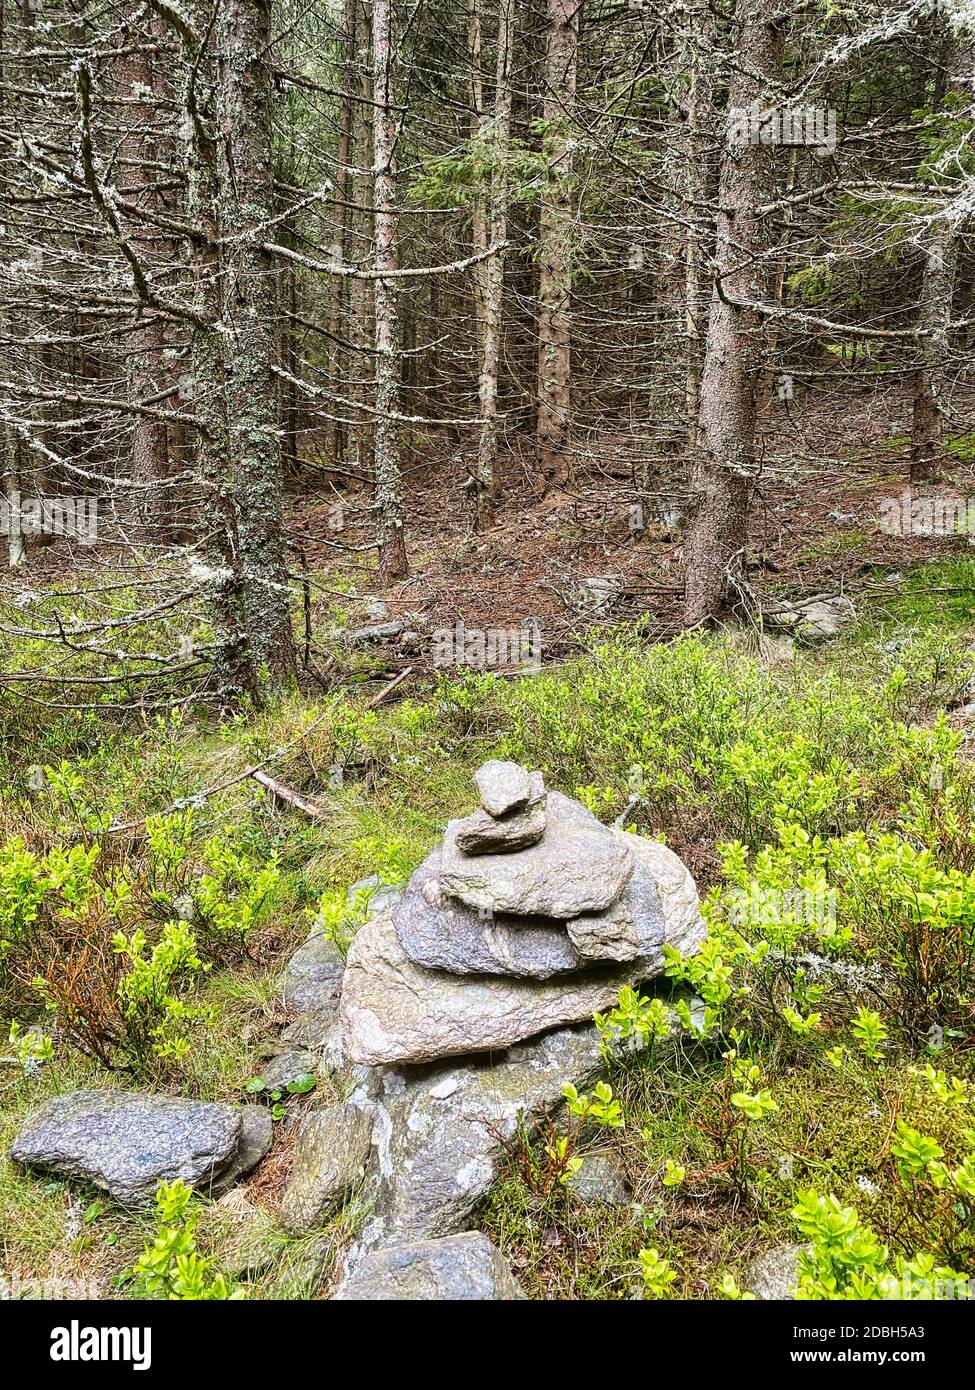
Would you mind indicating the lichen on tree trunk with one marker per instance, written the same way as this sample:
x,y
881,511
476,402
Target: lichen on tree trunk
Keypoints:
x,y
724,463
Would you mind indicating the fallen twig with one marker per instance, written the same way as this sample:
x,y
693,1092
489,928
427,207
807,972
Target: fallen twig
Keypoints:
x,y
387,689
288,794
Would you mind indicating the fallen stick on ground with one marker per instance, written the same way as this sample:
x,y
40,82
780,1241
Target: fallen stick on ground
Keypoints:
x,y
288,794
397,680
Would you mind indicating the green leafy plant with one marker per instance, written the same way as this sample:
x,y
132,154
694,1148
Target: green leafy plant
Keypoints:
x,y
870,1033
740,1103
635,1022
338,917
170,1266
656,1274
844,1259
231,897
600,1107
30,1049
157,1021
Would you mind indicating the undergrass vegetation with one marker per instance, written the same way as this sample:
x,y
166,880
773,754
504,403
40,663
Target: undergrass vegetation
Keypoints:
x,y
806,1078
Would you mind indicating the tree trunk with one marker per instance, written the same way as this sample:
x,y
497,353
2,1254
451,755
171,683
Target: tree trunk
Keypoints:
x,y
937,290
238,456
389,484
222,576
147,342
359,231
698,106
477,132
555,244
9,440
724,463
937,294
493,277
246,195
335,432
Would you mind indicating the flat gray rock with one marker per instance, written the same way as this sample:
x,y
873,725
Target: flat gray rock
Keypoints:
x,y
599,1180
330,1157
684,927
503,786
441,933
659,905
313,975
816,619
287,1067
256,1137
772,1275
482,834
395,1011
577,866
311,1030
374,632
128,1141
464,1267
632,926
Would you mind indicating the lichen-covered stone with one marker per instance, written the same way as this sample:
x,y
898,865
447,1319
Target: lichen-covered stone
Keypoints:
x,y
128,1141
482,834
659,905
504,786
313,975
464,1267
287,1067
577,866
599,1180
441,933
438,1130
772,1275
395,1011
256,1137
329,1159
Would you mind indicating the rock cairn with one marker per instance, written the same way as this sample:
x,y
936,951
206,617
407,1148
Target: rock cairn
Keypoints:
x,y
530,915
465,1003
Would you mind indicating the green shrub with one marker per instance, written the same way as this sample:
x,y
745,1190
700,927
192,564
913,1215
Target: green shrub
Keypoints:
x,y
171,1266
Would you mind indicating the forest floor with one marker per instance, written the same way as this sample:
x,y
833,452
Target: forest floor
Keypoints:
x,y
850,761
816,527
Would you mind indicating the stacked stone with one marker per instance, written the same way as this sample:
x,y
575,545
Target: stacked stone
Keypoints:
x,y
528,918
530,915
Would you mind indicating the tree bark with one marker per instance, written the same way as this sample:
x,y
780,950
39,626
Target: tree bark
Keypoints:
x,y
246,192
492,298
389,484
937,294
340,218
222,575
555,244
937,290
724,463
9,440
227,115
147,343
